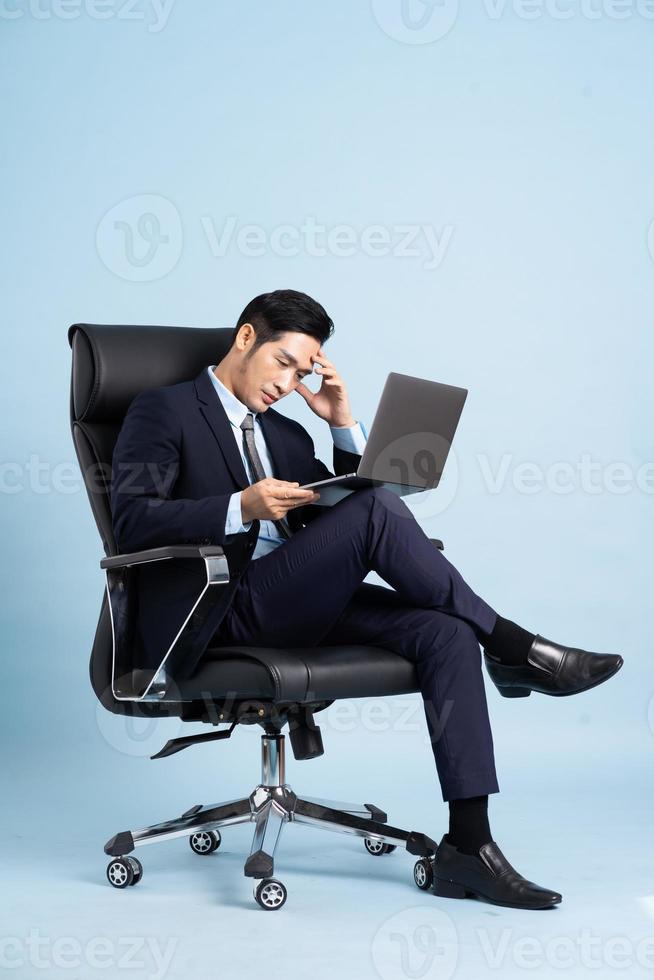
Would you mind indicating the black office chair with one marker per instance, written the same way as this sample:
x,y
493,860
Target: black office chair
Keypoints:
x,y
232,685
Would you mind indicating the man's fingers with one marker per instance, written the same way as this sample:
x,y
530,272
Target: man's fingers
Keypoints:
x,y
284,490
291,493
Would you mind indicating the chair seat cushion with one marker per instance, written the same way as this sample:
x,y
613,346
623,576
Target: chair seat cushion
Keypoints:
x,y
301,674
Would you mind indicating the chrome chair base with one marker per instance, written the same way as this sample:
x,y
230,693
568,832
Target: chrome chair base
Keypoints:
x,y
271,804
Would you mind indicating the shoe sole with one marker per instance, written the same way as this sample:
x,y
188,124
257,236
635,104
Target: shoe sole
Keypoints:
x,y
451,889
524,692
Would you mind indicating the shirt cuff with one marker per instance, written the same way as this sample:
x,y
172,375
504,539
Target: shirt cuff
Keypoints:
x,y
350,438
234,522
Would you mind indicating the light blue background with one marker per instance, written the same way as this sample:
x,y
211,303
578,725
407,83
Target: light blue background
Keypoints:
x,y
526,146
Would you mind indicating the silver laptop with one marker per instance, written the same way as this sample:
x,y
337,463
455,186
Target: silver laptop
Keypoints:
x,y
408,443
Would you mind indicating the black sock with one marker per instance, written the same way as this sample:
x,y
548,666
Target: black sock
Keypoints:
x,y
508,642
469,827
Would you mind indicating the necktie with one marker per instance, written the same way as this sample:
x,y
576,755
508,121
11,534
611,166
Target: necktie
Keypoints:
x,y
256,466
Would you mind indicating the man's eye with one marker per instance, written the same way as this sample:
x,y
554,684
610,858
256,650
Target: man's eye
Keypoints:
x,y
299,374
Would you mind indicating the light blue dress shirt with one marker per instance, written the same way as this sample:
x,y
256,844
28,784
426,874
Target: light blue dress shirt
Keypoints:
x,y
350,438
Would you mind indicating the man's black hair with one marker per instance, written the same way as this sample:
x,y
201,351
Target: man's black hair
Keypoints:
x,y
271,314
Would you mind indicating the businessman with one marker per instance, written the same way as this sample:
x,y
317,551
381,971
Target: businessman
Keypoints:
x,y
211,461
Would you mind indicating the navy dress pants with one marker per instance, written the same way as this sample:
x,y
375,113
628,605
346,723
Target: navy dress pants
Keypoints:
x,y
310,592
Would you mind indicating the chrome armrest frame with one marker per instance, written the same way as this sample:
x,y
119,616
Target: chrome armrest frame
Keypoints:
x,y
157,686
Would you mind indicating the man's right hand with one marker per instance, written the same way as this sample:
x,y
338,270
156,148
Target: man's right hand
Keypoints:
x,y
270,499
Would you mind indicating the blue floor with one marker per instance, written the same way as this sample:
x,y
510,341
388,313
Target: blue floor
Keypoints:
x,y
572,814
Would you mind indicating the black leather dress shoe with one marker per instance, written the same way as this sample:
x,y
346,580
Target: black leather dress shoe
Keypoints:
x,y
488,876
552,669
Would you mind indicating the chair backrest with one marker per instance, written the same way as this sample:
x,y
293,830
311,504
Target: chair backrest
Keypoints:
x,y
110,366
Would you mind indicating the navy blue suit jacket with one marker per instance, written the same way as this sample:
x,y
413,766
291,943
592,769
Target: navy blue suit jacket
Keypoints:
x,y
175,466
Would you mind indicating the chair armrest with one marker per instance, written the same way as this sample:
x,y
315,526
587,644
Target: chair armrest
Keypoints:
x,y
129,682
438,543
157,554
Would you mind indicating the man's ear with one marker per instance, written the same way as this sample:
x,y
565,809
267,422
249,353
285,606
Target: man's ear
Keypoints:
x,y
247,334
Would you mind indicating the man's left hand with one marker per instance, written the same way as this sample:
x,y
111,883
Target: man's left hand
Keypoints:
x,y
330,402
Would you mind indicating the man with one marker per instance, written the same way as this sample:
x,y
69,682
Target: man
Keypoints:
x,y
222,465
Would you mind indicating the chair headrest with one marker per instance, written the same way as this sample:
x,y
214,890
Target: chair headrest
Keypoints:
x,y
112,364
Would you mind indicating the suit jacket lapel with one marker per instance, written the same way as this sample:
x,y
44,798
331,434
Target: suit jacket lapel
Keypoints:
x,y
213,411
212,408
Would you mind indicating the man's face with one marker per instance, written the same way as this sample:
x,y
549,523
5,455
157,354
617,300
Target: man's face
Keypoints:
x,y
275,368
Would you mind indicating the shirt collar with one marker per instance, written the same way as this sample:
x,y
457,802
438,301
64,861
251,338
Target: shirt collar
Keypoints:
x,y
234,409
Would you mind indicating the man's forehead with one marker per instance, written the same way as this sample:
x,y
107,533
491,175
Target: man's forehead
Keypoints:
x,y
298,354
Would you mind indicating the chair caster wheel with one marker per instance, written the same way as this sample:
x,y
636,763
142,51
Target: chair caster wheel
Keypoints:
x,y
205,841
378,847
270,893
121,872
137,868
423,874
